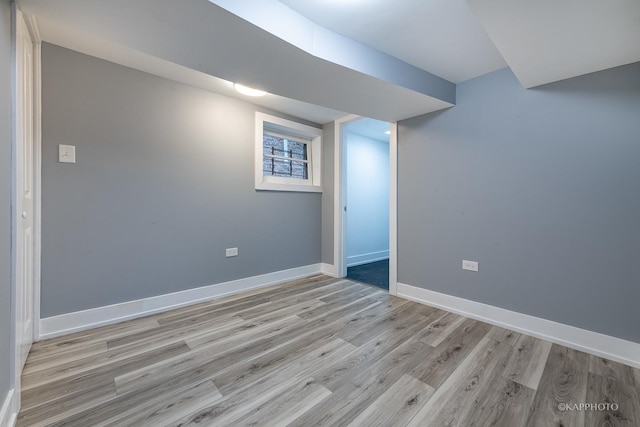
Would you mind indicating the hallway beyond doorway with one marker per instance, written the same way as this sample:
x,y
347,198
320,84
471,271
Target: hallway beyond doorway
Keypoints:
x,y
373,273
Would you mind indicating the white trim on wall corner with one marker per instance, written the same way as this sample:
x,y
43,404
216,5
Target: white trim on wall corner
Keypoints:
x,y
595,343
354,260
34,30
87,319
393,208
328,269
8,410
339,199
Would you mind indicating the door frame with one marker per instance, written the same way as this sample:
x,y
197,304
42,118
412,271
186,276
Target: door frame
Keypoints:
x,y
32,28
339,203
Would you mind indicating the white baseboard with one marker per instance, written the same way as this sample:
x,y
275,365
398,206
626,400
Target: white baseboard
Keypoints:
x,y
87,319
354,260
595,343
8,410
328,269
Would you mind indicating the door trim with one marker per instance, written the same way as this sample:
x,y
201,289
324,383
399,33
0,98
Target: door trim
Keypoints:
x,y
339,196
32,26
339,201
15,350
393,209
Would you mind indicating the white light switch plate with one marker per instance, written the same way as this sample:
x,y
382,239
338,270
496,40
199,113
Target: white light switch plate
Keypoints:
x,y
231,252
66,153
469,265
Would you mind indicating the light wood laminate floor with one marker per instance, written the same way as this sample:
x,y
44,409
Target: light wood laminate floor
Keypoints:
x,y
318,351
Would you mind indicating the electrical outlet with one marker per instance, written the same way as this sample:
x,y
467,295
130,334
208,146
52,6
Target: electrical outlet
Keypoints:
x,y
469,265
231,252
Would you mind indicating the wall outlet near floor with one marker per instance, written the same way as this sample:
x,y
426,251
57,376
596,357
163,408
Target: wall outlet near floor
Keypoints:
x,y
231,252
469,265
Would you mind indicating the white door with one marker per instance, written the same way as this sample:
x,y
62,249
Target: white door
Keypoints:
x,y
24,192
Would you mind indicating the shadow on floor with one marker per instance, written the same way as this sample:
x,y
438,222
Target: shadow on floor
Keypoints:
x,y
374,273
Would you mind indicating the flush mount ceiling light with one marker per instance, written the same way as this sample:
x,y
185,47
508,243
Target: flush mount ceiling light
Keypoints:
x,y
244,90
388,132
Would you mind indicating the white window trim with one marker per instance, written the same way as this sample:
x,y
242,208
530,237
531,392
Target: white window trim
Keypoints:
x,y
276,124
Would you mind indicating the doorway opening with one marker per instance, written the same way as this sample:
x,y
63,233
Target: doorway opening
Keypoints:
x,y
366,188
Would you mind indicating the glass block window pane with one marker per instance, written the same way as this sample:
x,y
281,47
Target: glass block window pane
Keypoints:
x,y
285,158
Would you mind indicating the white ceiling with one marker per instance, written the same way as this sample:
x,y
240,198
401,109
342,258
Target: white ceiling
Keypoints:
x,y
201,36
439,36
549,40
385,59
370,128
542,41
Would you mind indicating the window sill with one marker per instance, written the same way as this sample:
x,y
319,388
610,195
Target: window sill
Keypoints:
x,y
300,188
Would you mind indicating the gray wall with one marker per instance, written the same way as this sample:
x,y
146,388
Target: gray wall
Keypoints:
x,y
5,197
328,153
542,187
164,182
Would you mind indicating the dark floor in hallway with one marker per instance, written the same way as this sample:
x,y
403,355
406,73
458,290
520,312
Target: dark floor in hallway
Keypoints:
x,y
373,273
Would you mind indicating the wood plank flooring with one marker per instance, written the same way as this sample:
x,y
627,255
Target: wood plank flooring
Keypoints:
x,y
318,352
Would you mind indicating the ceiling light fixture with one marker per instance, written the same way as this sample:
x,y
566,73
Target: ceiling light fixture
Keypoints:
x,y
388,132
244,90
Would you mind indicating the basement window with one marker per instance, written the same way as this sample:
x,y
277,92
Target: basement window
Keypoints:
x,y
287,155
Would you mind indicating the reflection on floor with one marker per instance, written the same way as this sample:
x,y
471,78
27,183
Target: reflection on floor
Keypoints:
x,y
374,273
